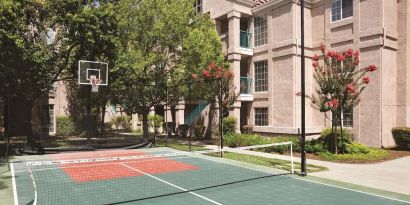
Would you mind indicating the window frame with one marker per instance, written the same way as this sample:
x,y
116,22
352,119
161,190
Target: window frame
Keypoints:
x,y
340,10
258,86
263,118
198,6
260,33
347,118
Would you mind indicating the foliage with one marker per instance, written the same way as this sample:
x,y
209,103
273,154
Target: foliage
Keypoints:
x,y
155,45
183,130
269,162
229,125
322,144
247,129
339,84
155,122
122,122
199,131
401,136
66,126
241,140
373,154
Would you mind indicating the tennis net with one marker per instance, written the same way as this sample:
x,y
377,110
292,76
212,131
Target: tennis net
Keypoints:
x,y
138,175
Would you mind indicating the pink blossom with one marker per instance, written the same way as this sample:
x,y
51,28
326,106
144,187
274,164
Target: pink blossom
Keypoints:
x,y
315,64
371,68
366,80
349,52
212,66
350,88
340,57
194,76
315,58
356,54
206,73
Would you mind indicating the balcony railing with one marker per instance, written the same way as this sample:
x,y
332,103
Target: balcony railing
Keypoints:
x,y
246,85
245,39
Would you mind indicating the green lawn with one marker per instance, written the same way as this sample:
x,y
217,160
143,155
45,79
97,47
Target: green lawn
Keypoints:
x,y
251,159
179,146
373,155
269,162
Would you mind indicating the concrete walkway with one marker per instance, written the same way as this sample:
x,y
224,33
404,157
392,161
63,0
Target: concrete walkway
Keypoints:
x,y
391,175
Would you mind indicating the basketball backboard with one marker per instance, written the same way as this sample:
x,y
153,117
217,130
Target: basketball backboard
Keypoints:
x,y
86,69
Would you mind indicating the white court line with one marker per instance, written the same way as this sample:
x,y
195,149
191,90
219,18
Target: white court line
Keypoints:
x,y
363,192
353,190
178,187
96,165
13,179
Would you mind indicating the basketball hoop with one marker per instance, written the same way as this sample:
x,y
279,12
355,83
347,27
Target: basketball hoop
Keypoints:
x,y
94,83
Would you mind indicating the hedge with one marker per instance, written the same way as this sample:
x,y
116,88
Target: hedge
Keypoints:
x,y
401,136
66,126
229,125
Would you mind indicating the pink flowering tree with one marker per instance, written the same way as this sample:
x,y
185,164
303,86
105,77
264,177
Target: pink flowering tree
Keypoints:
x,y
339,85
215,85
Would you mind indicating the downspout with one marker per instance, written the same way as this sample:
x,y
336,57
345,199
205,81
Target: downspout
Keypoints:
x,y
295,62
381,77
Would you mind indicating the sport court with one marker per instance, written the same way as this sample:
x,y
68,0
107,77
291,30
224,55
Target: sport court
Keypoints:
x,y
166,176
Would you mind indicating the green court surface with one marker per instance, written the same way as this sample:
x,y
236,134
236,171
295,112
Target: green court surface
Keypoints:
x,y
180,179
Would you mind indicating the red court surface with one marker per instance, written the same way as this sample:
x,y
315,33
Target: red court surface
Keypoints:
x,y
106,170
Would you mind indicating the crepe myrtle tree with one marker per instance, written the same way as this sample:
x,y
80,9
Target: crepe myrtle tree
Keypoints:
x,y
215,84
340,83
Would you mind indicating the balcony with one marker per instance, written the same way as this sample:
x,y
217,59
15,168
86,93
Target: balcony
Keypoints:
x,y
246,89
245,43
246,85
245,39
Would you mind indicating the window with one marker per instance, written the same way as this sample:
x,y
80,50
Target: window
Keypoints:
x,y
261,116
261,76
348,118
260,30
342,9
198,6
46,118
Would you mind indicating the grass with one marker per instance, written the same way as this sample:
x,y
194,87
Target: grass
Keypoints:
x,y
373,155
251,159
269,162
179,146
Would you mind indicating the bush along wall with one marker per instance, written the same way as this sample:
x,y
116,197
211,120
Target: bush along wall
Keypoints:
x,y
66,126
401,136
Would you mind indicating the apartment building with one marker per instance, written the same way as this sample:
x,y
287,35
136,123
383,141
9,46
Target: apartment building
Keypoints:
x,y
261,40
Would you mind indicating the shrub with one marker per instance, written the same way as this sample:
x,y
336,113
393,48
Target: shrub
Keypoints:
x,y
199,131
241,140
324,143
247,129
155,122
356,148
401,136
183,129
66,126
122,122
327,139
229,125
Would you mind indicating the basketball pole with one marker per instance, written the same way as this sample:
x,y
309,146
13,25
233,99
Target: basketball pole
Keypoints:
x,y
302,63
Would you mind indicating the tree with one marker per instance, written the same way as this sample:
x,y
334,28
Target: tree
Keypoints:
x,y
26,59
154,48
339,86
199,55
88,31
215,84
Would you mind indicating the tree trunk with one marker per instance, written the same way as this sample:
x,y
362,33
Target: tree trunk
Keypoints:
x,y
102,125
28,122
211,116
145,126
341,131
334,130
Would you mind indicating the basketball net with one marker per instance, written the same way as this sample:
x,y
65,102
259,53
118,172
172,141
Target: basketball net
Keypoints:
x,y
94,83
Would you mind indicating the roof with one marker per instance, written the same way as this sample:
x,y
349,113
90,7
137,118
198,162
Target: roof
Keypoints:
x,y
260,2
